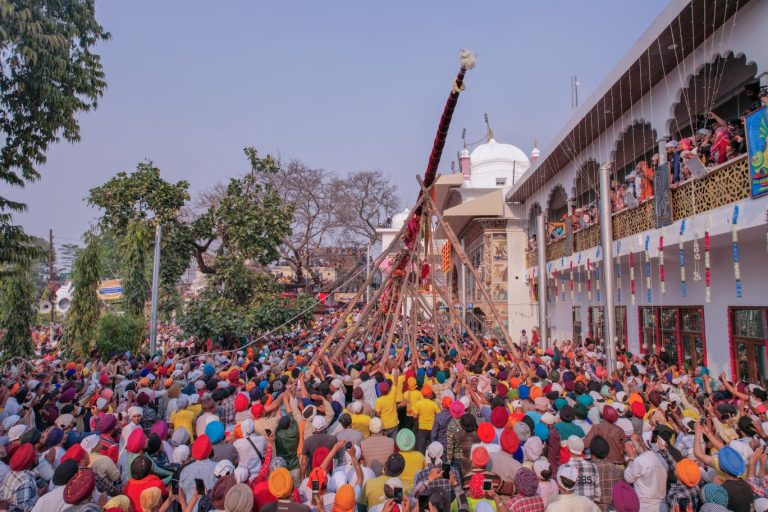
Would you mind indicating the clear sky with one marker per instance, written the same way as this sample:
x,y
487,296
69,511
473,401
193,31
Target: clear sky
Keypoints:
x,y
340,85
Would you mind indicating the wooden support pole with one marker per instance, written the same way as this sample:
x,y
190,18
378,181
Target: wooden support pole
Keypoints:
x,y
465,260
335,331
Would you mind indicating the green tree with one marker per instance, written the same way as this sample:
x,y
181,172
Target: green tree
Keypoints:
x,y
119,333
135,248
16,312
143,198
48,75
83,314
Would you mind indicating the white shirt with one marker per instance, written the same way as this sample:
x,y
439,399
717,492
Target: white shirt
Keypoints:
x,y
369,391
52,501
338,396
648,476
573,503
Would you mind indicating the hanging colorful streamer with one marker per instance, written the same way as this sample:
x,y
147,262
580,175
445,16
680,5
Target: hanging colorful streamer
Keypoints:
x,y
597,282
578,278
549,295
662,285
571,269
681,254
632,277
589,280
707,269
648,268
735,246
562,284
618,271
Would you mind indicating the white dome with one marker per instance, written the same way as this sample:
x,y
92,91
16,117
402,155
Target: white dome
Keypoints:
x,y
399,219
492,162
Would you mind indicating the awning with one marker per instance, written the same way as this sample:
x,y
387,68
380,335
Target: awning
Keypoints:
x,y
488,205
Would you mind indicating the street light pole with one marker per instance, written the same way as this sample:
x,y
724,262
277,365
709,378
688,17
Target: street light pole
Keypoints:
x,y
155,286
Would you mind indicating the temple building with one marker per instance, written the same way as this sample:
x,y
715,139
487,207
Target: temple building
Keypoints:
x,y
680,125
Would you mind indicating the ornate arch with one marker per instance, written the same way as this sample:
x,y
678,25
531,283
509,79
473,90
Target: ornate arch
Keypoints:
x,y
716,85
557,203
586,184
637,142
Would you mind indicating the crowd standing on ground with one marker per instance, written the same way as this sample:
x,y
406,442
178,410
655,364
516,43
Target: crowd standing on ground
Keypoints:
x,y
440,429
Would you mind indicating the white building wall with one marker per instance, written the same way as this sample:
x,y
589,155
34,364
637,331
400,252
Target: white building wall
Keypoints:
x,y
744,37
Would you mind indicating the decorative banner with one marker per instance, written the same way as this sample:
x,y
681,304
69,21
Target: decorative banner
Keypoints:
x,y
735,246
681,253
589,280
571,269
632,277
756,131
445,258
662,197
648,268
562,284
662,286
707,270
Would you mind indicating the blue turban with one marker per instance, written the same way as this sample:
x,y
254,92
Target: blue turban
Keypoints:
x,y
208,369
524,391
585,400
541,431
730,461
215,431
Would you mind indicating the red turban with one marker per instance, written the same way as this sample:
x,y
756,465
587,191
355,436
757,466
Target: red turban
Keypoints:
x,y
74,452
23,457
241,402
201,448
137,441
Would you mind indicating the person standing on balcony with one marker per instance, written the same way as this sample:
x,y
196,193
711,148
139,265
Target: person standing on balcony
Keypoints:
x,y
673,157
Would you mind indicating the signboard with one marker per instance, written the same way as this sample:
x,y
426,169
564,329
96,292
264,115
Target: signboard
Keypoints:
x,y
756,129
343,296
662,196
111,289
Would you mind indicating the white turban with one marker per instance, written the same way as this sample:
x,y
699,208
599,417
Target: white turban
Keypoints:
x,y
89,443
180,454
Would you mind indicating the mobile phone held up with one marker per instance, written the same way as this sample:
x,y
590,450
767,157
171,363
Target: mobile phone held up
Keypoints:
x,y
447,471
397,496
200,486
315,486
487,485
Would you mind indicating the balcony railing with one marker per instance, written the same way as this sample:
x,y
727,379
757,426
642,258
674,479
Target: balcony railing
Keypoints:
x,y
721,186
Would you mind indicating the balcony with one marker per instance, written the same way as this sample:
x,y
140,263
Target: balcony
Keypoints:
x,y
722,185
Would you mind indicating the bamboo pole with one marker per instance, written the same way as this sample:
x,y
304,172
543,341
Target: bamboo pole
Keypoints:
x,y
331,335
465,260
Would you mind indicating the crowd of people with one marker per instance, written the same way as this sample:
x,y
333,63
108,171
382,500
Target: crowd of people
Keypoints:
x,y
450,428
716,142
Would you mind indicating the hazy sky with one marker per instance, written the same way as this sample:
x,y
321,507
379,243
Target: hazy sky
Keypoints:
x,y
340,85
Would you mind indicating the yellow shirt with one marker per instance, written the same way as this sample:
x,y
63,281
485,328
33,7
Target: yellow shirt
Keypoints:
x,y
426,410
386,408
412,397
360,423
185,419
414,462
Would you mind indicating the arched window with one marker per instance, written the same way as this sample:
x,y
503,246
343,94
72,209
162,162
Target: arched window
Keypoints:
x,y
557,206
636,144
719,87
587,183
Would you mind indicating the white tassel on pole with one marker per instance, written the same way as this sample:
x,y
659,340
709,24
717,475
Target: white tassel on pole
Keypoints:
x,y
467,59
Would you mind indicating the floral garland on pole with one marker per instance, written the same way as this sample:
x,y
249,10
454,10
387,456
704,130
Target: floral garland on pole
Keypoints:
x,y
735,247
662,285
632,277
618,271
549,295
648,268
681,254
597,274
578,280
707,269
